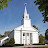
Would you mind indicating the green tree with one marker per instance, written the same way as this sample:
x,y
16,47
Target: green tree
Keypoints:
x,y
0,35
12,41
43,7
6,42
3,3
35,27
41,39
9,42
7,33
46,34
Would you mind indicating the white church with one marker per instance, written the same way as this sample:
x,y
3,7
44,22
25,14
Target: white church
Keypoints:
x,y
26,33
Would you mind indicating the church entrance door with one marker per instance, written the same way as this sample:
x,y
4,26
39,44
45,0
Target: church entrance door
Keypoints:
x,y
23,38
28,38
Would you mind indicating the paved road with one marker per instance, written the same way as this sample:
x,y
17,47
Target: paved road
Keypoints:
x,y
27,46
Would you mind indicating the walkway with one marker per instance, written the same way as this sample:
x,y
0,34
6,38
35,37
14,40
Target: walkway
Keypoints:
x,y
27,46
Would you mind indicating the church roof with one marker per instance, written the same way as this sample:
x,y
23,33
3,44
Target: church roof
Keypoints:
x,y
26,29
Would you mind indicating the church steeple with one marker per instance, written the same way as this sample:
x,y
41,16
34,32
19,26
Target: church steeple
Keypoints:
x,y
26,22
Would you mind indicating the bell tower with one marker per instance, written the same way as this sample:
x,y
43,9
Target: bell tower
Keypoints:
x,y
26,21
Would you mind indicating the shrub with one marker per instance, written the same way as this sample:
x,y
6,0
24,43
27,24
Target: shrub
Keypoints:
x,y
39,44
9,42
6,41
19,44
12,41
41,39
8,45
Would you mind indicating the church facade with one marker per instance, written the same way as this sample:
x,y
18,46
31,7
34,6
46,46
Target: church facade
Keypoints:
x,y
26,33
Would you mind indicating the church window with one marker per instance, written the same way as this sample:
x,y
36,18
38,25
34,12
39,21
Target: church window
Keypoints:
x,y
23,34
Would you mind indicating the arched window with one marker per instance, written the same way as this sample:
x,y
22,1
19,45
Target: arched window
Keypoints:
x,y
23,34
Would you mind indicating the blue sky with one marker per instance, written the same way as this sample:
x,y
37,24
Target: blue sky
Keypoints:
x,y
11,16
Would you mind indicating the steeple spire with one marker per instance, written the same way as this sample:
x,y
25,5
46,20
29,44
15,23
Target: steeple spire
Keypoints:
x,y
26,16
25,12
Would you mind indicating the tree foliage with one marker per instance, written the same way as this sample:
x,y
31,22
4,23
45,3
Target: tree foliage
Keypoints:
x,y
7,33
0,35
46,34
43,7
3,3
6,41
12,41
35,27
9,42
41,39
